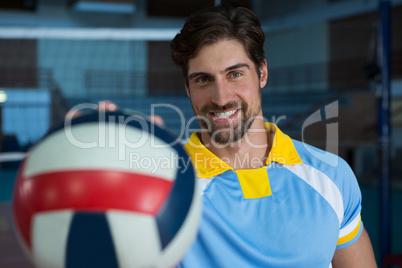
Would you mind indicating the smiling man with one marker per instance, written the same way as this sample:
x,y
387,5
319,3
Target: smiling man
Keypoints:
x,y
267,202
224,83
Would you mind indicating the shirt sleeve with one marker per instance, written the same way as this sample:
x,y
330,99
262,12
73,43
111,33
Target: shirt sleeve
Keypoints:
x,y
351,226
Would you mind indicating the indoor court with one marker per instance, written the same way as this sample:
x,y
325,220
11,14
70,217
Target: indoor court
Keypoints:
x,y
335,82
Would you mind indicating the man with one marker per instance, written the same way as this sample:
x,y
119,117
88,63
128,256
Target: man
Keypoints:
x,y
267,202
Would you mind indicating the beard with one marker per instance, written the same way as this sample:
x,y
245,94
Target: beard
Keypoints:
x,y
233,131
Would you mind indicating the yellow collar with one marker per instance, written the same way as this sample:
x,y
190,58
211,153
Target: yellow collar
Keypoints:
x,y
208,164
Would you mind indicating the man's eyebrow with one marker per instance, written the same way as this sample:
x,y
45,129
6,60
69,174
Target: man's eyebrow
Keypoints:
x,y
236,66
230,68
192,75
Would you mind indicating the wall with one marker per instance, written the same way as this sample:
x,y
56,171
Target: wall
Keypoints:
x,y
297,58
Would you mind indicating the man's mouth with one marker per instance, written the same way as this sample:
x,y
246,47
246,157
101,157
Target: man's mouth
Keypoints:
x,y
225,115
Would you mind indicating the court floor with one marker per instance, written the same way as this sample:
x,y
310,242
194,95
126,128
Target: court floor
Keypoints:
x,y
11,254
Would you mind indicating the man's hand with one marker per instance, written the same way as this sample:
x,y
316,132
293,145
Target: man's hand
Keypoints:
x,y
109,106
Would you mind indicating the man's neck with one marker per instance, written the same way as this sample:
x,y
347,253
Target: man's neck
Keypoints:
x,y
250,152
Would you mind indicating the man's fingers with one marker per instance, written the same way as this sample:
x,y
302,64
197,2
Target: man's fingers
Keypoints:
x,y
156,119
107,106
103,106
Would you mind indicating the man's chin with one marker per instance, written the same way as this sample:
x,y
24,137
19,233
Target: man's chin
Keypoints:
x,y
225,138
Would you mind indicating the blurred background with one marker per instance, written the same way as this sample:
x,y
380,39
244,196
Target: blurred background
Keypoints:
x,y
55,54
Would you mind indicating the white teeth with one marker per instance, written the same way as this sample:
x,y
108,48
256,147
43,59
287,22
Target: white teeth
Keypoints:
x,y
226,114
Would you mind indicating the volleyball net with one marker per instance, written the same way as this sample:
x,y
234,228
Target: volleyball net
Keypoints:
x,y
46,71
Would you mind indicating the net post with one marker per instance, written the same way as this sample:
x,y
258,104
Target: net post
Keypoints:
x,y
384,126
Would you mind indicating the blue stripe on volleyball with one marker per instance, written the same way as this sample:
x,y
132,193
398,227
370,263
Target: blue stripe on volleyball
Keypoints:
x,y
175,209
90,242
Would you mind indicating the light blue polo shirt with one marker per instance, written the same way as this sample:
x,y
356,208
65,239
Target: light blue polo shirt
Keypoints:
x,y
293,212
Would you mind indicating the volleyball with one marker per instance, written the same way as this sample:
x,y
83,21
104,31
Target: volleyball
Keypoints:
x,y
106,190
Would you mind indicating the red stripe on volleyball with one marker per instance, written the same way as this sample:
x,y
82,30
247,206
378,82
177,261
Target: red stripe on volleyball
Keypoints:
x,y
22,213
89,190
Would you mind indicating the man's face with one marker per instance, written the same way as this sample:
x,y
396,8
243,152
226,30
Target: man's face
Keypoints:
x,y
225,90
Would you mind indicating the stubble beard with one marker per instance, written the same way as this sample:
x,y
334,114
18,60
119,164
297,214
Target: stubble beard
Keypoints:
x,y
224,134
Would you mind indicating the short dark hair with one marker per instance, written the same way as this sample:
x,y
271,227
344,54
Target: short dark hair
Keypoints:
x,y
210,25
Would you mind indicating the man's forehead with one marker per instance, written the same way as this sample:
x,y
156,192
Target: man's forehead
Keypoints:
x,y
218,57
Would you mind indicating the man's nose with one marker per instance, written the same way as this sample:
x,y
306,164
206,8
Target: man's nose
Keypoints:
x,y
221,93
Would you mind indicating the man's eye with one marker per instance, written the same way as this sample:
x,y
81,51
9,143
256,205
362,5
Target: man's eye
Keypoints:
x,y
235,74
202,80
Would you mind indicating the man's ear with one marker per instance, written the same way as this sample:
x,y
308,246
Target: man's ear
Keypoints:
x,y
264,74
